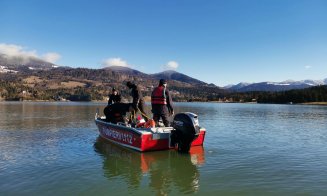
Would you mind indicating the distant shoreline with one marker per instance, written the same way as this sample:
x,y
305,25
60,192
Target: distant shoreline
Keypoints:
x,y
314,103
105,101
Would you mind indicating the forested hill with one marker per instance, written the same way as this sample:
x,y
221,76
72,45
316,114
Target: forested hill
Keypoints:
x,y
82,84
313,94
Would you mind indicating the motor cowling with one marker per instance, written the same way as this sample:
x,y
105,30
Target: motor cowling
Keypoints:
x,y
186,129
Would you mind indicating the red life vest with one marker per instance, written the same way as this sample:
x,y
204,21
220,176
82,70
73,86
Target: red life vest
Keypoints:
x,y
159,96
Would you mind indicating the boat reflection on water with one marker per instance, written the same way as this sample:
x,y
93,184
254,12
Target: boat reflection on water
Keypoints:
x,y
161,170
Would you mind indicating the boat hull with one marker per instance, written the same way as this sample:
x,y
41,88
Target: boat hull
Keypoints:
x,y
141,139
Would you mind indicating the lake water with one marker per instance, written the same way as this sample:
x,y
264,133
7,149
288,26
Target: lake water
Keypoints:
x,y
250,149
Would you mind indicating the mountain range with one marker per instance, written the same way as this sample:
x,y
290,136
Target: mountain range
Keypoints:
x,y
27,65
33,79
167,75
275,86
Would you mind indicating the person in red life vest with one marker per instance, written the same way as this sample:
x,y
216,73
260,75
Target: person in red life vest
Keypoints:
x,y
114,97
138,102
161,103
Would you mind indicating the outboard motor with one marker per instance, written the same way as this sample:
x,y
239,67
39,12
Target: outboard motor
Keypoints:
x,y
187,129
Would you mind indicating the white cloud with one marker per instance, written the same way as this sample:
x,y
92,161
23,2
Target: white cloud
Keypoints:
x,y
115,62
16,50
12,50
171,65
51,57
307,66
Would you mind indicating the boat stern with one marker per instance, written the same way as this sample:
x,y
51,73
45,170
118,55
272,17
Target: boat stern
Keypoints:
x,y
200,139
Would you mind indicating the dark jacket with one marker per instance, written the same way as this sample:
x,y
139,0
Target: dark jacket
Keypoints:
x,y
114,99
137,96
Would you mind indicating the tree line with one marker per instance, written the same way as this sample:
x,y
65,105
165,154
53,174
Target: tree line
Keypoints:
x,y
313,94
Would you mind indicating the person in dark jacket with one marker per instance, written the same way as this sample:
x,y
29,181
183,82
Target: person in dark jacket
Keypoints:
x,y
116,112
161,103
114,97
138,102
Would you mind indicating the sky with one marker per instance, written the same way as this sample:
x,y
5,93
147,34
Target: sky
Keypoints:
x,y
217,41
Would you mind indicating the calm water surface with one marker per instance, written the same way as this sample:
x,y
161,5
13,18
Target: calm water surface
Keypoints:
x,y
250,149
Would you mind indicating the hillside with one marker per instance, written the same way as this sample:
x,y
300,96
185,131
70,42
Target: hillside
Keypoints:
x,y
173,75
82,84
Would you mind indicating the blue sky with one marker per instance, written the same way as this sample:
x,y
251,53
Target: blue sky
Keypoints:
x,y
217,41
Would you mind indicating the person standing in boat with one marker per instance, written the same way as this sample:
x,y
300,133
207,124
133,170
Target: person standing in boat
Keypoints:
x,y
114,97
138,102
161,103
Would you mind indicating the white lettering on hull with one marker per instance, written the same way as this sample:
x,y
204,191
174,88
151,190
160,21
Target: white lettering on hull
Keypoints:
x,y
118,135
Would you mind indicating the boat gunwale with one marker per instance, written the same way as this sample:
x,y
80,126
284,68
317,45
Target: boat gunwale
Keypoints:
x,y
141,130
144,131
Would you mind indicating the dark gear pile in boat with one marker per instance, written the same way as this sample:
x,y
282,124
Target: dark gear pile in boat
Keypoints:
x,y
115,112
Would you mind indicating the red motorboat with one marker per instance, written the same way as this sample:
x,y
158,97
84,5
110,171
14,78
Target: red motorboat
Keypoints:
x,y
184,133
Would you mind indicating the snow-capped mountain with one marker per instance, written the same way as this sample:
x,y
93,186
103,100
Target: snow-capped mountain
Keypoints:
x,y
237,86
275,86
21,63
